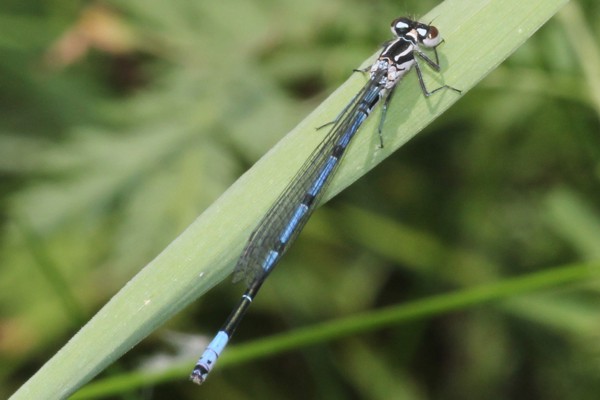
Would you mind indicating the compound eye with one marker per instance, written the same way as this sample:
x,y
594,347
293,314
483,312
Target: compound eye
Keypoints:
x,y
423,32
433,33
400,26
432,38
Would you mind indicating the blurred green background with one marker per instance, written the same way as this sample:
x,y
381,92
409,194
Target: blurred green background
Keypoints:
x,y
120,123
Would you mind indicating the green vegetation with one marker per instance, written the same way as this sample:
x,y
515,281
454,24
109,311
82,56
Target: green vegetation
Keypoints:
x,y
464,266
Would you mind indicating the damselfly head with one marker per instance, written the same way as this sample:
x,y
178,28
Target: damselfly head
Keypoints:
x,y
428,35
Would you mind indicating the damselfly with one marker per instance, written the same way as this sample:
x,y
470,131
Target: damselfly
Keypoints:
x,y
288,215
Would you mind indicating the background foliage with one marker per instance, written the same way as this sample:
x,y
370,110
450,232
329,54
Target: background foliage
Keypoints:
x,y
120,123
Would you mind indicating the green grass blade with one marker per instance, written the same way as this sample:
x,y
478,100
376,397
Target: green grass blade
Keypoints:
x,y
356,324
479,36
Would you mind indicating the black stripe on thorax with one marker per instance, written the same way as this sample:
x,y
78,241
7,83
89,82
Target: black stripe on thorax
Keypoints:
x,y
399,51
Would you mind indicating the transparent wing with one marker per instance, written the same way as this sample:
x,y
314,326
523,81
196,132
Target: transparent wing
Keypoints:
x,y
314,175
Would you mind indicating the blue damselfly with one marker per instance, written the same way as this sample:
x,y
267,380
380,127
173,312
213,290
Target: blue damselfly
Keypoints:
x,y
287,216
